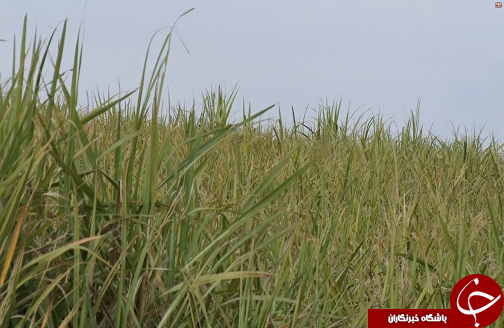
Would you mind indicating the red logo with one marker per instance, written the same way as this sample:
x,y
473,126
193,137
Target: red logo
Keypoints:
x,y
498,5
477,300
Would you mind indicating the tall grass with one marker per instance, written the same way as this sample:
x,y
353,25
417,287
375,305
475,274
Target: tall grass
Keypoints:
x,y
135,215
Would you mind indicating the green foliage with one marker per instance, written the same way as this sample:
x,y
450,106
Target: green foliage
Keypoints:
x,y
135,215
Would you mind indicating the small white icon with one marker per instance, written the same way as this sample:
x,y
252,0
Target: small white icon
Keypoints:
x,y
481,309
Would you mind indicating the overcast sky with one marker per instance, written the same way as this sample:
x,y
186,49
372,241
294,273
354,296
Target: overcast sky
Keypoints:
x,y
378,54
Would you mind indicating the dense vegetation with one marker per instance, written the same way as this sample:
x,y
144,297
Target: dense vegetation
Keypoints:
x,y
131,214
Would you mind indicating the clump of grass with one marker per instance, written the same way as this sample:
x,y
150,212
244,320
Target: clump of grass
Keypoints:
x,y
126,215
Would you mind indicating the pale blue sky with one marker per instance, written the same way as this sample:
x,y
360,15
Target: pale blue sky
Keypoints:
x,y
379,54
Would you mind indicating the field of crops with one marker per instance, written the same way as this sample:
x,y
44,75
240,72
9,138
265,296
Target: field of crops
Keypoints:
x,y
131,213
